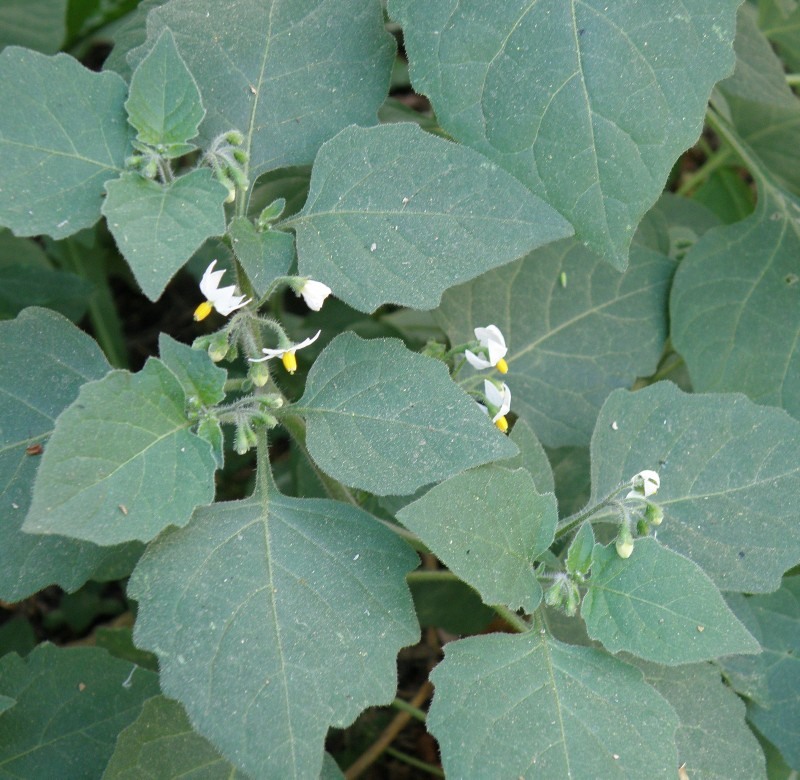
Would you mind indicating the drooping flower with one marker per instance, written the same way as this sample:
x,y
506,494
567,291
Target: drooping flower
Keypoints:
x,y
644,484
499,400
314,293
493,345
287,354
223,299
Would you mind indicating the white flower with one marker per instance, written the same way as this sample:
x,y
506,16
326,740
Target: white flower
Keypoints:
x,y
287,354
644,484
491,339
314,293
498,398
224,299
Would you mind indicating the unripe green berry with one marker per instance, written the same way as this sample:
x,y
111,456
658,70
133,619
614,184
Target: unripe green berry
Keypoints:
x,y
654,514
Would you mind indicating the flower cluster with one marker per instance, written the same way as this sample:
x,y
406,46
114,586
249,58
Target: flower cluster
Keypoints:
x,y
489,351
643,485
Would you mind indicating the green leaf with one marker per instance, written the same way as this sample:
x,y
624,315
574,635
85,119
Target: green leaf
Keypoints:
x,y
164,104
129,34
70,706
63,134
532,457
713,739
772,680
569,347
530,86
34,24
44,360
264,256
159,227
730,478
760,104
488,526
161,743
735,305
387,420
289,76
6,702
571,473
659,606
122,464
395,215
274,620
27,285
529,706
780,22
194,369
727,194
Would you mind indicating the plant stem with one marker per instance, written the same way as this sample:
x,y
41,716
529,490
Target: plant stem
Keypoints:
x,y
403,705
793,79
520,624
718,160
399,722
424,575
415,762
571,522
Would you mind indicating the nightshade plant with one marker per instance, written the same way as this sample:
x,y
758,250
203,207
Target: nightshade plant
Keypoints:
x,y
508,257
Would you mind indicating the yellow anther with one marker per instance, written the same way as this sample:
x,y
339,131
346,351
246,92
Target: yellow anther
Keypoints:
x,y
502,423
203,310
502,366
289,361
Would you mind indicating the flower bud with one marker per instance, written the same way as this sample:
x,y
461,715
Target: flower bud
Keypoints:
x,y
218,346
654,514
553,595
624,543
245,438
234,137
642,528
258,374
270,213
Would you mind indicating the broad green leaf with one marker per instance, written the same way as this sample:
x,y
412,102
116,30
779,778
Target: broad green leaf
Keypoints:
x,y
387,420
63,134
659,606
532,457
264,256
488,526
714,742
772,680
161,743
761,106
730,478
122,464
34,24
528,706
589,104
674,224
569,346
70,706
287,75
24,285
395,215
193,368
128,35
44,360
119,642
735,305
6,702
164,104
159,227
274,620
17,636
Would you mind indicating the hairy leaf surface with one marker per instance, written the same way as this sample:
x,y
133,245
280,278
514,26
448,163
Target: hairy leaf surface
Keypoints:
x,y
730,478
396,215
274,619
587,102
122,463
529,706
387,420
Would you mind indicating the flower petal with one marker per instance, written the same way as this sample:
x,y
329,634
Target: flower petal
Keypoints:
x,y
476,361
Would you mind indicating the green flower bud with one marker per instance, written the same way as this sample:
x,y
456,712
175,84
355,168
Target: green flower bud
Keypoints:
x,y
654,514
258,374
642,528
270,401
218,346
573,599
234,137
553,595
245,438
624,543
